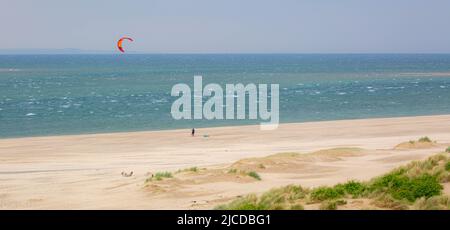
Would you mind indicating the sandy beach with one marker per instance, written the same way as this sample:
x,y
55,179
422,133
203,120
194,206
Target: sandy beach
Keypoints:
x,y
84,171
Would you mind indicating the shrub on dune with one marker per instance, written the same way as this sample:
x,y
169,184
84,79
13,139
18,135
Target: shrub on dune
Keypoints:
x,y
287,197
353,188
254,175
326,193
161,175
401,187
425,139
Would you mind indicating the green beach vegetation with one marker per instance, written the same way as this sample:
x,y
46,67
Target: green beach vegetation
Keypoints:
x,y
191,169
160,176
254,175
418,185
279,198
425,139
422,142
332,205
243,172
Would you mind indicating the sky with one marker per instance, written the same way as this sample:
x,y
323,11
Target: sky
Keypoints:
x,y
229,26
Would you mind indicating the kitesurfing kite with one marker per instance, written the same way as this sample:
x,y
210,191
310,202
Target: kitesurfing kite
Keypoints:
x,y
119,43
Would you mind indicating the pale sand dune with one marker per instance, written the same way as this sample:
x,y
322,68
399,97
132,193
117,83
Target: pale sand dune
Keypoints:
x,y
84,171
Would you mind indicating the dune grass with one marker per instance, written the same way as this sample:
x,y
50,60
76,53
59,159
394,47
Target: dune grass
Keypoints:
x,y
424,139
422,142
326,193
332,205
401,187
162,175
414,186
254,175
245,173
191,169
386,201
159,176
275,199
351,188
433,203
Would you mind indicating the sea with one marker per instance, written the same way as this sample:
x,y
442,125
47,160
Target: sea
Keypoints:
x,y
42,95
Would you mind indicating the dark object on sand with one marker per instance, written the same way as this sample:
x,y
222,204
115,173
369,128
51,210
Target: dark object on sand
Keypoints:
x,y
127,174
193,132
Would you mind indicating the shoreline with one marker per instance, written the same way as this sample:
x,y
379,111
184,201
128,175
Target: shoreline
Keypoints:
x,y
210,127
84,171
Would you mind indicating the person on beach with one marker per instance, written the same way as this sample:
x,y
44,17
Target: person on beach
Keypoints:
x,y
193,132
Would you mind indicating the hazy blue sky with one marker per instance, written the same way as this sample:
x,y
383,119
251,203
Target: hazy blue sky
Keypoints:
x,y
200,26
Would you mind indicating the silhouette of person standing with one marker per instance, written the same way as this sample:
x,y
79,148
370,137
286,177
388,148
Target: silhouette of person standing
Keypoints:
x,y
193,132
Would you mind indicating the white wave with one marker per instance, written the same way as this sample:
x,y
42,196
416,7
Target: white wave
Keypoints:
x,y
392,87
9,70
30,114
126,115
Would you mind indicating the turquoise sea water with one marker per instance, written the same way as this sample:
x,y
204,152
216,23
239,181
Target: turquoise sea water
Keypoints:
x,y
72,94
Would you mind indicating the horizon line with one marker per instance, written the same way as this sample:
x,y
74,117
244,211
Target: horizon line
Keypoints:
x,y
216,53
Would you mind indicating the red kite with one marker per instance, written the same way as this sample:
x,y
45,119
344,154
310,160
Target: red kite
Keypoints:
x,y
119,43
